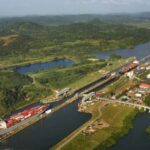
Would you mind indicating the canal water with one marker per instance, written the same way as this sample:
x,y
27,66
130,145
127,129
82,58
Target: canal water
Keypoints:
x,y
49,131
139,51
43,66
137,138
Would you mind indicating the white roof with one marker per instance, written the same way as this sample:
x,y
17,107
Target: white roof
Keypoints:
x,y
148,76
3,124
63,91
88,96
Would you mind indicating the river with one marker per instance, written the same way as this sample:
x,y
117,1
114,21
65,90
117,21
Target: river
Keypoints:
x,y
139,51
43,66
137,138
49,131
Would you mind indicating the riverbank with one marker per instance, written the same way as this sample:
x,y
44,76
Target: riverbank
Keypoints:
x,y
119,119
148,130
77,75
42,84
96,113
37,60
34,120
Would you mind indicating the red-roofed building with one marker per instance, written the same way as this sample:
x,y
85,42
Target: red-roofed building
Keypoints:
x,y
144,86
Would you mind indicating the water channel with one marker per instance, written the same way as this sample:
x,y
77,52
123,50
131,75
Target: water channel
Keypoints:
x,y
139,51
49,131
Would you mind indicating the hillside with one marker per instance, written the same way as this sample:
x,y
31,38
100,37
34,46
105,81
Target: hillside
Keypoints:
x,y
25,41
69,19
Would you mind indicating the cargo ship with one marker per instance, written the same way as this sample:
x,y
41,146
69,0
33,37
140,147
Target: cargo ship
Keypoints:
x,y
21,116
129,67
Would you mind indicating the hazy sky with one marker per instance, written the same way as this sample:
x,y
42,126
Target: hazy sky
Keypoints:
x,y
51,7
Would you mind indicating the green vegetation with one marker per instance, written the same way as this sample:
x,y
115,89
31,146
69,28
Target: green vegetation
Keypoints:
x,y
127,124
62,77
139,24
119,119
17,90
114,57
28,42
144,74
148,130
147,100
41,85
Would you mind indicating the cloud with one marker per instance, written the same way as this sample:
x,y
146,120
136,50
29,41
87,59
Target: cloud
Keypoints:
x,y
29,7
115,2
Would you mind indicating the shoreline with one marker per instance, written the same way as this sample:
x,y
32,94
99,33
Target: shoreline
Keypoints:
x,y
71,57
38,61
127,125
66,143
35,120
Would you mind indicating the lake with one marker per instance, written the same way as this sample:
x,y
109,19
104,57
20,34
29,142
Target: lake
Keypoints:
x,y
43,66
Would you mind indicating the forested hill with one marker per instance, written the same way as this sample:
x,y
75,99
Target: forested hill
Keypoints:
x,y
23,41
68,19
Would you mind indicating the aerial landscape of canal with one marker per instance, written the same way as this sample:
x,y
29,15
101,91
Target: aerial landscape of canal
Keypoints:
x,y
125,53
50,130
53,128
75,75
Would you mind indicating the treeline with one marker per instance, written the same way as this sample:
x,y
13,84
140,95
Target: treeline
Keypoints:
x,y
147,100
34,36
62,77
17,90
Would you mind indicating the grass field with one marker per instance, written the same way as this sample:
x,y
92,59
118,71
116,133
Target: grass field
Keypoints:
x,y
76,76
115,116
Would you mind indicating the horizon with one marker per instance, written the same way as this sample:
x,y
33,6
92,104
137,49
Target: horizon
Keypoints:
x,y
21,8
82,14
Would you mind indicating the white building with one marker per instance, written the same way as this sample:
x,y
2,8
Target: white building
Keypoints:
x,y
148,76
62,92
148,68
88,96
2,124
130,74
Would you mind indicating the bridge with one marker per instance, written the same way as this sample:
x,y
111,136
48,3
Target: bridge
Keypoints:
x,y
127,103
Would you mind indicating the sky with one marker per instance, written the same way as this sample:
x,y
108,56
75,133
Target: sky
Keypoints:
x,y
60,7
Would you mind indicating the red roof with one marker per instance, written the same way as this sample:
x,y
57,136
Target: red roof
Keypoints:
x,y
144,85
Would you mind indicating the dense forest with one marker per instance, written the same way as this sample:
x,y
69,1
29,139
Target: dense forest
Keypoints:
x,y
17,90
